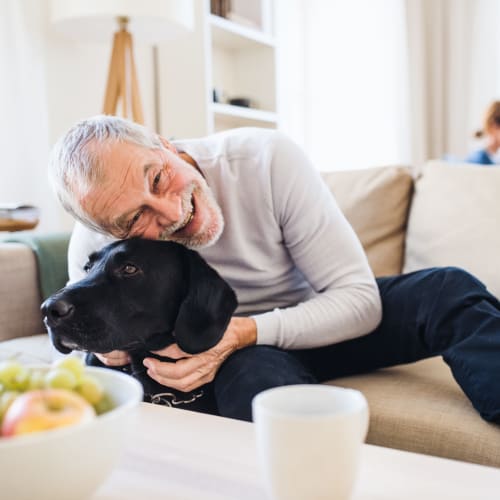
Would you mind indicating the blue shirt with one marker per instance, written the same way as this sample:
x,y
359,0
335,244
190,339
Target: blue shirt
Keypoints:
x,y
480,156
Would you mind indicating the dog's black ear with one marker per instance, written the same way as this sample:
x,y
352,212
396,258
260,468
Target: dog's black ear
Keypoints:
x,y
207,308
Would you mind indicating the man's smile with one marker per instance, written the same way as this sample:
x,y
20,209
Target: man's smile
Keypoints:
x,y
189,217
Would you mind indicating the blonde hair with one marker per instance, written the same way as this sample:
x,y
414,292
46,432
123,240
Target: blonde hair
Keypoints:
x,y
75,163
491,119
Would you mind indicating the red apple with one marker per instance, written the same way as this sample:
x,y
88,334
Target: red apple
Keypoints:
x,y
45,409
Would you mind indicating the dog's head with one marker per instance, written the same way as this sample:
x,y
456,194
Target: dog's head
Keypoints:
x,y
141,295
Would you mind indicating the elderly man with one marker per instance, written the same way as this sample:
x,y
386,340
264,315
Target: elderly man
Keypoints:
x,y
251,204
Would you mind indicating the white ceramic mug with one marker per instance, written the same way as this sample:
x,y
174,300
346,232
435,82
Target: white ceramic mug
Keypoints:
x,y
309,440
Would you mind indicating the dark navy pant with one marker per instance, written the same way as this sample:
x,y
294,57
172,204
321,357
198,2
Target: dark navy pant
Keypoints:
x,y
443,311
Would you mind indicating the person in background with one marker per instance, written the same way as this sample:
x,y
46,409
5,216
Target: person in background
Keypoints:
x,y
488,155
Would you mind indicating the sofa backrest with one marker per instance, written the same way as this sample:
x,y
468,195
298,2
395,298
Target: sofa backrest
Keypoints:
x,y
454,220
376,202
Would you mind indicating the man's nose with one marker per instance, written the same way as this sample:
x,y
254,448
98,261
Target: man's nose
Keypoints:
x,y
168,210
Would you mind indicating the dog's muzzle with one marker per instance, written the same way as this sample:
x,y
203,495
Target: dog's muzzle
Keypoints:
x,y
56,311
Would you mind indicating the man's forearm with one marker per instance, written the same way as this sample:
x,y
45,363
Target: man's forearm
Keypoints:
x,y
333,316
244,330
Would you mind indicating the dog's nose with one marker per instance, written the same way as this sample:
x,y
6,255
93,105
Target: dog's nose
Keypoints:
x,y
57,310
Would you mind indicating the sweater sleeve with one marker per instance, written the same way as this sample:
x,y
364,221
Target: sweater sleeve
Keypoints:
x,y
325,249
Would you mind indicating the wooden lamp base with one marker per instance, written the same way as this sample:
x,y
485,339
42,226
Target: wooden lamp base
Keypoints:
x,y
122,77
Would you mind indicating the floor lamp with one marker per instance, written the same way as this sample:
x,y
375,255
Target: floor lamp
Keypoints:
x,y
122,83
150,21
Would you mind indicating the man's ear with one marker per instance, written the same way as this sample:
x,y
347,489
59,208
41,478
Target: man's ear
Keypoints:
x,y
207,308
184,156
168,144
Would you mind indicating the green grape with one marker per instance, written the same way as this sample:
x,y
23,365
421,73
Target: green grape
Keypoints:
x,y
21,380
8,372
72,363
105,404
66,373
13,376
36,381
60,378
91,389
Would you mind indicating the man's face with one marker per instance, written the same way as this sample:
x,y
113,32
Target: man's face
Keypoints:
x,y
153,194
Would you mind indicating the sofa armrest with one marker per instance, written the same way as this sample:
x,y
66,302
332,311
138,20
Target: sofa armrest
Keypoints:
x,y
19,292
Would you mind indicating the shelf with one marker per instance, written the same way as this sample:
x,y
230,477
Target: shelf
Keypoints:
x,y
227,116
233,36
224,55
256,115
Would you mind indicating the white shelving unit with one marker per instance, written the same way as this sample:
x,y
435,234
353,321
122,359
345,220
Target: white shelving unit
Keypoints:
x,y
223,57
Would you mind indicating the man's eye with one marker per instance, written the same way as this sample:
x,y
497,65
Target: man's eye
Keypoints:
x,y
156,182
134,219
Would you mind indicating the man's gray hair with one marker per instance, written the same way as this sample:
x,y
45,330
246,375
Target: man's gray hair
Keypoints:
x,y
75,165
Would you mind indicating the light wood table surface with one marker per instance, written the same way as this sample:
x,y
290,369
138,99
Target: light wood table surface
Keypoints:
x,y
177,454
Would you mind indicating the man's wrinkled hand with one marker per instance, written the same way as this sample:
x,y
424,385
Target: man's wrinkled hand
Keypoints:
x,y
191,371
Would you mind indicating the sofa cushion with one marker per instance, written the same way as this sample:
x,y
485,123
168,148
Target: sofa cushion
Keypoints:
x,y
51,251
19,296
375,201
454,221
419,407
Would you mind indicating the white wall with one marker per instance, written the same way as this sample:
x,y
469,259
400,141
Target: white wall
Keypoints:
x,y
76,80
485,84
362,83
23,116
342,90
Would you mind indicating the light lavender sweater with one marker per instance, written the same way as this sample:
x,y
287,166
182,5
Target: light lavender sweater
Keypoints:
x,y
293,260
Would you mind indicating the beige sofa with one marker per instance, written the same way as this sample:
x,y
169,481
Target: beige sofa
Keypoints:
x,y
442,215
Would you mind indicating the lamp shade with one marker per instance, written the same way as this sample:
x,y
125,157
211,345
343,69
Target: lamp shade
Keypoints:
x,y
151,21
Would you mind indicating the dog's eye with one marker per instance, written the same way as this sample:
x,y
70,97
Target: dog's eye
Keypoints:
x,y
129,269
87,267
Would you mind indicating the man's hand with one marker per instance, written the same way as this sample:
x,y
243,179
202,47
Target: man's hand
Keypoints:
x,y
113,358
192,371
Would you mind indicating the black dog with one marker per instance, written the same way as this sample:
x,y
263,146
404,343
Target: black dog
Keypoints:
x,y
140,296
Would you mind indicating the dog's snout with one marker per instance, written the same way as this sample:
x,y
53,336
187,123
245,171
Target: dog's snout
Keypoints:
x,y
57,310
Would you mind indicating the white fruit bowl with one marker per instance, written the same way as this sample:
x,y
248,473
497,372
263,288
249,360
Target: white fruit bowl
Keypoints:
x,y
69,463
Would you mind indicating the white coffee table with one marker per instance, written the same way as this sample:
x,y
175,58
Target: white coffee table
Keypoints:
x,y
177,454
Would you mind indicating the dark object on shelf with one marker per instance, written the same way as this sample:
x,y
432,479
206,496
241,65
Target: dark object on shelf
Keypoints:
x,y
244,102
217,95
220,7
